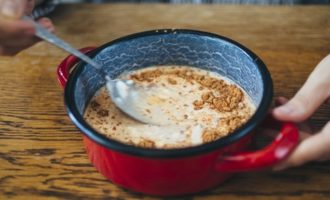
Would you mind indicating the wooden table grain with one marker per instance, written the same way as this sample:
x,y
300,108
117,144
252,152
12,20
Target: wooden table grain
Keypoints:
x,y
41,152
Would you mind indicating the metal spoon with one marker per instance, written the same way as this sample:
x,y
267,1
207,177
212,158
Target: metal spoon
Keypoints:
x,y
124,93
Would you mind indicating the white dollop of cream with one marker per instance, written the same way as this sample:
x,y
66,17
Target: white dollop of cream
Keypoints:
x,y
196,135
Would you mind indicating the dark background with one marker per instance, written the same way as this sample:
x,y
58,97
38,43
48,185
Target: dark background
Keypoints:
x,y
276,2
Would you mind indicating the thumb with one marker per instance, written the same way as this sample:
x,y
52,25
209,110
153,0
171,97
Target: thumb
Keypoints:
x,y
313,93
12,8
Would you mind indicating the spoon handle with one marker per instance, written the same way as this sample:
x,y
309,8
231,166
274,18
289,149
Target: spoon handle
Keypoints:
x,y
44,34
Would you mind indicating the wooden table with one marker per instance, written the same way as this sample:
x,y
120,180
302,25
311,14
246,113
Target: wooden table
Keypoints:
x,y
41,152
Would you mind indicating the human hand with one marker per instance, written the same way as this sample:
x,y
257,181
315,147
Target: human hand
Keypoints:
x,y
315,92
16,34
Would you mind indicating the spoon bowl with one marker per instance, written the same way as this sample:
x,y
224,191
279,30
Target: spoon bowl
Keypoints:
x,y
123,93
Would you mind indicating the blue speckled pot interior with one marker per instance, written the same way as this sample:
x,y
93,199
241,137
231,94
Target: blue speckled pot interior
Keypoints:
x,y
173,48
170,47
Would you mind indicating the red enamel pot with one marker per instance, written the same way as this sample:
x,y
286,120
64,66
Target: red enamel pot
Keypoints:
x,y
175,171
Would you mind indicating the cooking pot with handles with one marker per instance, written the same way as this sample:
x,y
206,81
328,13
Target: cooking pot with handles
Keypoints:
x,y
169,172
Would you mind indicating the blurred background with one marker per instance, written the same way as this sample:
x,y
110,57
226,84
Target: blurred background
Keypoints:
x,y
46,6
204,1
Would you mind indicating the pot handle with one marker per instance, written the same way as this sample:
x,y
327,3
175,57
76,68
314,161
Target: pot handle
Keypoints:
x,y
63,70
279,149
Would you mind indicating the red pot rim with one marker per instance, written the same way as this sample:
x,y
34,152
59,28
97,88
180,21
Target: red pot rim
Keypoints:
x,y
247,128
